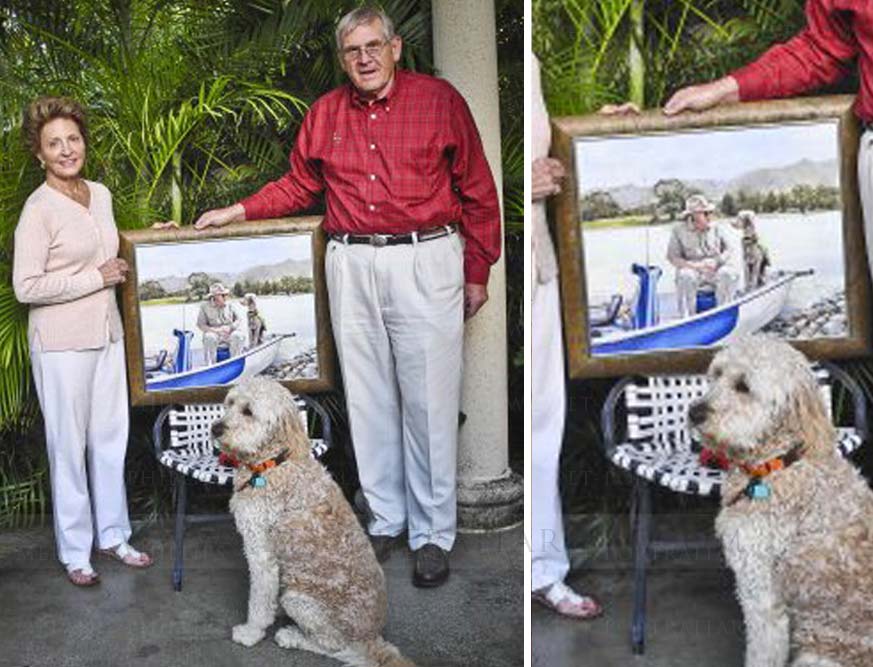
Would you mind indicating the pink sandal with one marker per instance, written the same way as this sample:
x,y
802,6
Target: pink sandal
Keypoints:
x,y
563,600
126,554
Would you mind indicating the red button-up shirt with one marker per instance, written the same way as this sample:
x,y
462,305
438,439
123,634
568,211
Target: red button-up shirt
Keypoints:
x,y
411,160
836,32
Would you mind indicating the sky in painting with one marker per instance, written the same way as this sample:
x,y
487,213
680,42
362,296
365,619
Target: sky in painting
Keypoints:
x,y
219,255
721,154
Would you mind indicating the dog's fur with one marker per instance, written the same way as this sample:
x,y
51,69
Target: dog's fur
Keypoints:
x,y
755,257
803,558
255,321
304,545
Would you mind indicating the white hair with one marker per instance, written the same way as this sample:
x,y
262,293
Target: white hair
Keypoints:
x,y
362,16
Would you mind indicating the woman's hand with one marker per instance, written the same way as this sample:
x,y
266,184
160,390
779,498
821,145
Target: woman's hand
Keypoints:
x,y
625,109
114,271
546,176
167,224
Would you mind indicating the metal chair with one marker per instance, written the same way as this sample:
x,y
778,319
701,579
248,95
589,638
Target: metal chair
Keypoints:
x,y
183,443
656,446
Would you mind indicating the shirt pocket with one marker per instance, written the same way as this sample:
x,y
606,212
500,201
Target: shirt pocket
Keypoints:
x,y
414,175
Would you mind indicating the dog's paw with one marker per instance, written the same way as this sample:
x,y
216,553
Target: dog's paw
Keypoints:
x,y
247,635
288,637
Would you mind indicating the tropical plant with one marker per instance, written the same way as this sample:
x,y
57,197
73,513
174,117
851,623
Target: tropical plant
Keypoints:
x,y
191,105
599,51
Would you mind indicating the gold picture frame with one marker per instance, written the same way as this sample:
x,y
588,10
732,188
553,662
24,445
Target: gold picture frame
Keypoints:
x,y
279,262
745,139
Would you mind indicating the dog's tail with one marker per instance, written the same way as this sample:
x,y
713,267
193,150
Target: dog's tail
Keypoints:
x,y
374,653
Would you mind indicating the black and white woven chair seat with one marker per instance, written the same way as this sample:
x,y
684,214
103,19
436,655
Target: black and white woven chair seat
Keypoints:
x,y
659,446
192,451
680,469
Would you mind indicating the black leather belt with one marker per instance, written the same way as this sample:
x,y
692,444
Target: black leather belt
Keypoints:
x,y
381,240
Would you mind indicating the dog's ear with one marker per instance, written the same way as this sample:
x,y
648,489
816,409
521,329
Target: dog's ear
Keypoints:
x,y
811,419
292,434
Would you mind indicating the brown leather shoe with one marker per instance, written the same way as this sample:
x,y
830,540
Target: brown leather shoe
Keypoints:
x,y
383,545
431,567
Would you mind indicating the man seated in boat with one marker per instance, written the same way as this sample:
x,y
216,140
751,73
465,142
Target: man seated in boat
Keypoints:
x,y
220,324
701,254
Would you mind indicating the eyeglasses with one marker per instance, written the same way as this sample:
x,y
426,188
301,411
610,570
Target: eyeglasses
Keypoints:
x,y
372,49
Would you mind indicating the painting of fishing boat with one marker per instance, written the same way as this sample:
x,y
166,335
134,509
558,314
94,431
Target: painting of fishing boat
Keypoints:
x,y
179,373
678,235
713,325
206,310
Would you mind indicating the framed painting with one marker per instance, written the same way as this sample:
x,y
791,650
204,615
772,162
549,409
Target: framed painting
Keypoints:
x,y
678,234
205,309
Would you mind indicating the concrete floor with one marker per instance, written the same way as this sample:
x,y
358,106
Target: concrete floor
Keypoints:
x,y
693,619
135,618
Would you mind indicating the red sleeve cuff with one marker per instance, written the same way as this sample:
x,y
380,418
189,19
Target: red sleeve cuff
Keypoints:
x,y
476,271
751,85
254,208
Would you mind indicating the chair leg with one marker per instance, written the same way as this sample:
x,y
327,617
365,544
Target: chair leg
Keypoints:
x,y
179,534
642,517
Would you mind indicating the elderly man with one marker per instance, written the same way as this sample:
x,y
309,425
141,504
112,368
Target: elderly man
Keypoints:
x,y
220,324
414,224
702,256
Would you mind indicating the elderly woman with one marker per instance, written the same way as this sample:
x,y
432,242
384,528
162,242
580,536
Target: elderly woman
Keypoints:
x,y
549,563
66,268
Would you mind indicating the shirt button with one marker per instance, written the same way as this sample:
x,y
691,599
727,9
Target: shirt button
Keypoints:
x,y
373,116
372,207
387,108
372,147
372,177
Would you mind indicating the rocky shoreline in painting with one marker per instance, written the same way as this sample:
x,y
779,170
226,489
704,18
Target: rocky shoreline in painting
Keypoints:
x,y
825,318
304,365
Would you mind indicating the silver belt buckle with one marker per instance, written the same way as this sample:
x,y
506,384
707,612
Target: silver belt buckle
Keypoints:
x,y
379,240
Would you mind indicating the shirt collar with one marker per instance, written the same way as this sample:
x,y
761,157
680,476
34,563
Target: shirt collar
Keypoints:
x,y
359,101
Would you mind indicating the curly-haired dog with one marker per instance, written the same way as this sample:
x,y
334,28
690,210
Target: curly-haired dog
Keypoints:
x,y
304,546
796,519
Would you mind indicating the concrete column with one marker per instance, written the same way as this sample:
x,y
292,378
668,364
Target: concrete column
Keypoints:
x,y
489,494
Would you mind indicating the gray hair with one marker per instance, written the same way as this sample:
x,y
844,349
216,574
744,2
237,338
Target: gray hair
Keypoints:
x,y
361,16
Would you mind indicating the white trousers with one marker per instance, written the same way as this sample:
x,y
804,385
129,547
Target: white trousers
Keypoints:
x,y
398,321
865,185
236,340
83,396
549,562
689,281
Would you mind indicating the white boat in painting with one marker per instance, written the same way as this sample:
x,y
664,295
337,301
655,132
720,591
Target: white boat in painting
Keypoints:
x,y
748,313
230,370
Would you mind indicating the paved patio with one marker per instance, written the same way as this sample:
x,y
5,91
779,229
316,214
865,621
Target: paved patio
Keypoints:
x,y
693,617
135,618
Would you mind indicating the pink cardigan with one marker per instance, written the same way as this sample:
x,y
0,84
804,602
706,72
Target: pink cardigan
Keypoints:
x,y
58,246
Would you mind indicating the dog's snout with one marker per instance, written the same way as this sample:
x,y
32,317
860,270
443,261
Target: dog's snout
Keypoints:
x,y
217,429
698,412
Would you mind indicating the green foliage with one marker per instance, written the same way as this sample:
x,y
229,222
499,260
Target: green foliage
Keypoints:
x,y
191,105
585,45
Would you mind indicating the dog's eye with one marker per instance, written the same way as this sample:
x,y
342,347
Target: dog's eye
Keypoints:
x,y
247,411
716,373
741,386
